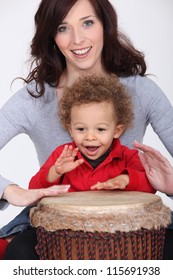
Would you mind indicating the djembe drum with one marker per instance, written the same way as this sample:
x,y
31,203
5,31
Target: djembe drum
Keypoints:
x,y
100,225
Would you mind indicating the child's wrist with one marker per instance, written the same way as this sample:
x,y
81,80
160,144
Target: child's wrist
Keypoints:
x,y
56,171
53,175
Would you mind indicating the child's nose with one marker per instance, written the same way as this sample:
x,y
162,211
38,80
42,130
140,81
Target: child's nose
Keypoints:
x,y
90,136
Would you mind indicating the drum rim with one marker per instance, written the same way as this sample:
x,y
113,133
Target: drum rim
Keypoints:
x,y
105,218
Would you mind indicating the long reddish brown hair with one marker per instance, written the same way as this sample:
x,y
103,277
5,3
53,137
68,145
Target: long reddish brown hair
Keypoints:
x,y
119,56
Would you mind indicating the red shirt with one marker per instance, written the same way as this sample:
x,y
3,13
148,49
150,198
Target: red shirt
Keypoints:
x,y
121,160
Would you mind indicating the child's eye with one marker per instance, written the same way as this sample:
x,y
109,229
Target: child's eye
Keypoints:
x,y
88,23
101,129
80,129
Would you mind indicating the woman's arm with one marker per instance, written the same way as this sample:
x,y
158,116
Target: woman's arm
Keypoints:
x,y
22,197
16,117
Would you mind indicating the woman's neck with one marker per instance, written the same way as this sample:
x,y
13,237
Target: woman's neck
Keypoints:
x,y
70,75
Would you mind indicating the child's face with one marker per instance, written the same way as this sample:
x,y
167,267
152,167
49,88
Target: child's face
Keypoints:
x,y
93,127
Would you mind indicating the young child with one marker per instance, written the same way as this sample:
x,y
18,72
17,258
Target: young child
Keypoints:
x,y
95,110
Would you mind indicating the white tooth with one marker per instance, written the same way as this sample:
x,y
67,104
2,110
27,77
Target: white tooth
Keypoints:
x,y
81,51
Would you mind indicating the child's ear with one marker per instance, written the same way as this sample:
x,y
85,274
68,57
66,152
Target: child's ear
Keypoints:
x,y
69,130
119,130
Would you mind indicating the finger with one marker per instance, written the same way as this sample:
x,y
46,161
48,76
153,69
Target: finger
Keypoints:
x,y
146,149
63,154
59,187
69,151
144,162
52,192
138,145
159,157
115,184
153,160
142,147
96,186
78,162
74,152
102,186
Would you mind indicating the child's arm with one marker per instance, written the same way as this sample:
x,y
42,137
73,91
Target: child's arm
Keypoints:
x,y
59,162
132,177
65,163
120,182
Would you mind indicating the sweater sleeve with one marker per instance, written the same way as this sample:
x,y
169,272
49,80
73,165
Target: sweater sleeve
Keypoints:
x,y
157,109
151,106
13,121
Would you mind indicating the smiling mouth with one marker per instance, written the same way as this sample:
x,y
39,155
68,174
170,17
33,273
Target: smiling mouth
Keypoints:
x,y
81,51
92,148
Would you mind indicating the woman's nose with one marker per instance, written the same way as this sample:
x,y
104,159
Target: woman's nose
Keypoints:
x,y
78,36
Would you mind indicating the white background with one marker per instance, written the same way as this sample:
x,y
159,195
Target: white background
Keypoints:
x,y
149,25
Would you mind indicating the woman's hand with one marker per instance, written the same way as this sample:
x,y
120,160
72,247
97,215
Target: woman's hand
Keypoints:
x,y
18,196
119,182
158,169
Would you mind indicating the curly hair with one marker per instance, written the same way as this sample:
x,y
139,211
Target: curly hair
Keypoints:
x,y
96,89
119,56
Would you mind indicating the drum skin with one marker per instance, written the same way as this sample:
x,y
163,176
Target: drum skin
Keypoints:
x,y
100,225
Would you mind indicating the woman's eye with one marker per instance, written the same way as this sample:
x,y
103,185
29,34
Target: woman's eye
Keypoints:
x,y
62,29
88,23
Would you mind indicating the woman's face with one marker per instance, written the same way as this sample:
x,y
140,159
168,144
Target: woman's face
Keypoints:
x,y
80,38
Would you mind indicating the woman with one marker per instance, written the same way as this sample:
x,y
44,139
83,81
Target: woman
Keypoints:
x,y
73,38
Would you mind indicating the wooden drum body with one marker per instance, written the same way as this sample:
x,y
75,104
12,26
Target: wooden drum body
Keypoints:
x,y
100,225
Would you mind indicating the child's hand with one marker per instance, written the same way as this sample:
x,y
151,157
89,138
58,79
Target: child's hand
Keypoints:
x,y
66,162
119,182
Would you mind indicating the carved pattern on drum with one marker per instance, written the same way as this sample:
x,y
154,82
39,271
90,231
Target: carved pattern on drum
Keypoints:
x,y
109,211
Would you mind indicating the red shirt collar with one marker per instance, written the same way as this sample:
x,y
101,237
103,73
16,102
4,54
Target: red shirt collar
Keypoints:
x,y
116,151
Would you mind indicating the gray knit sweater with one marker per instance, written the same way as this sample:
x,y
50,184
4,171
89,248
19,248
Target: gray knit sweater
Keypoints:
x,y
37,117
